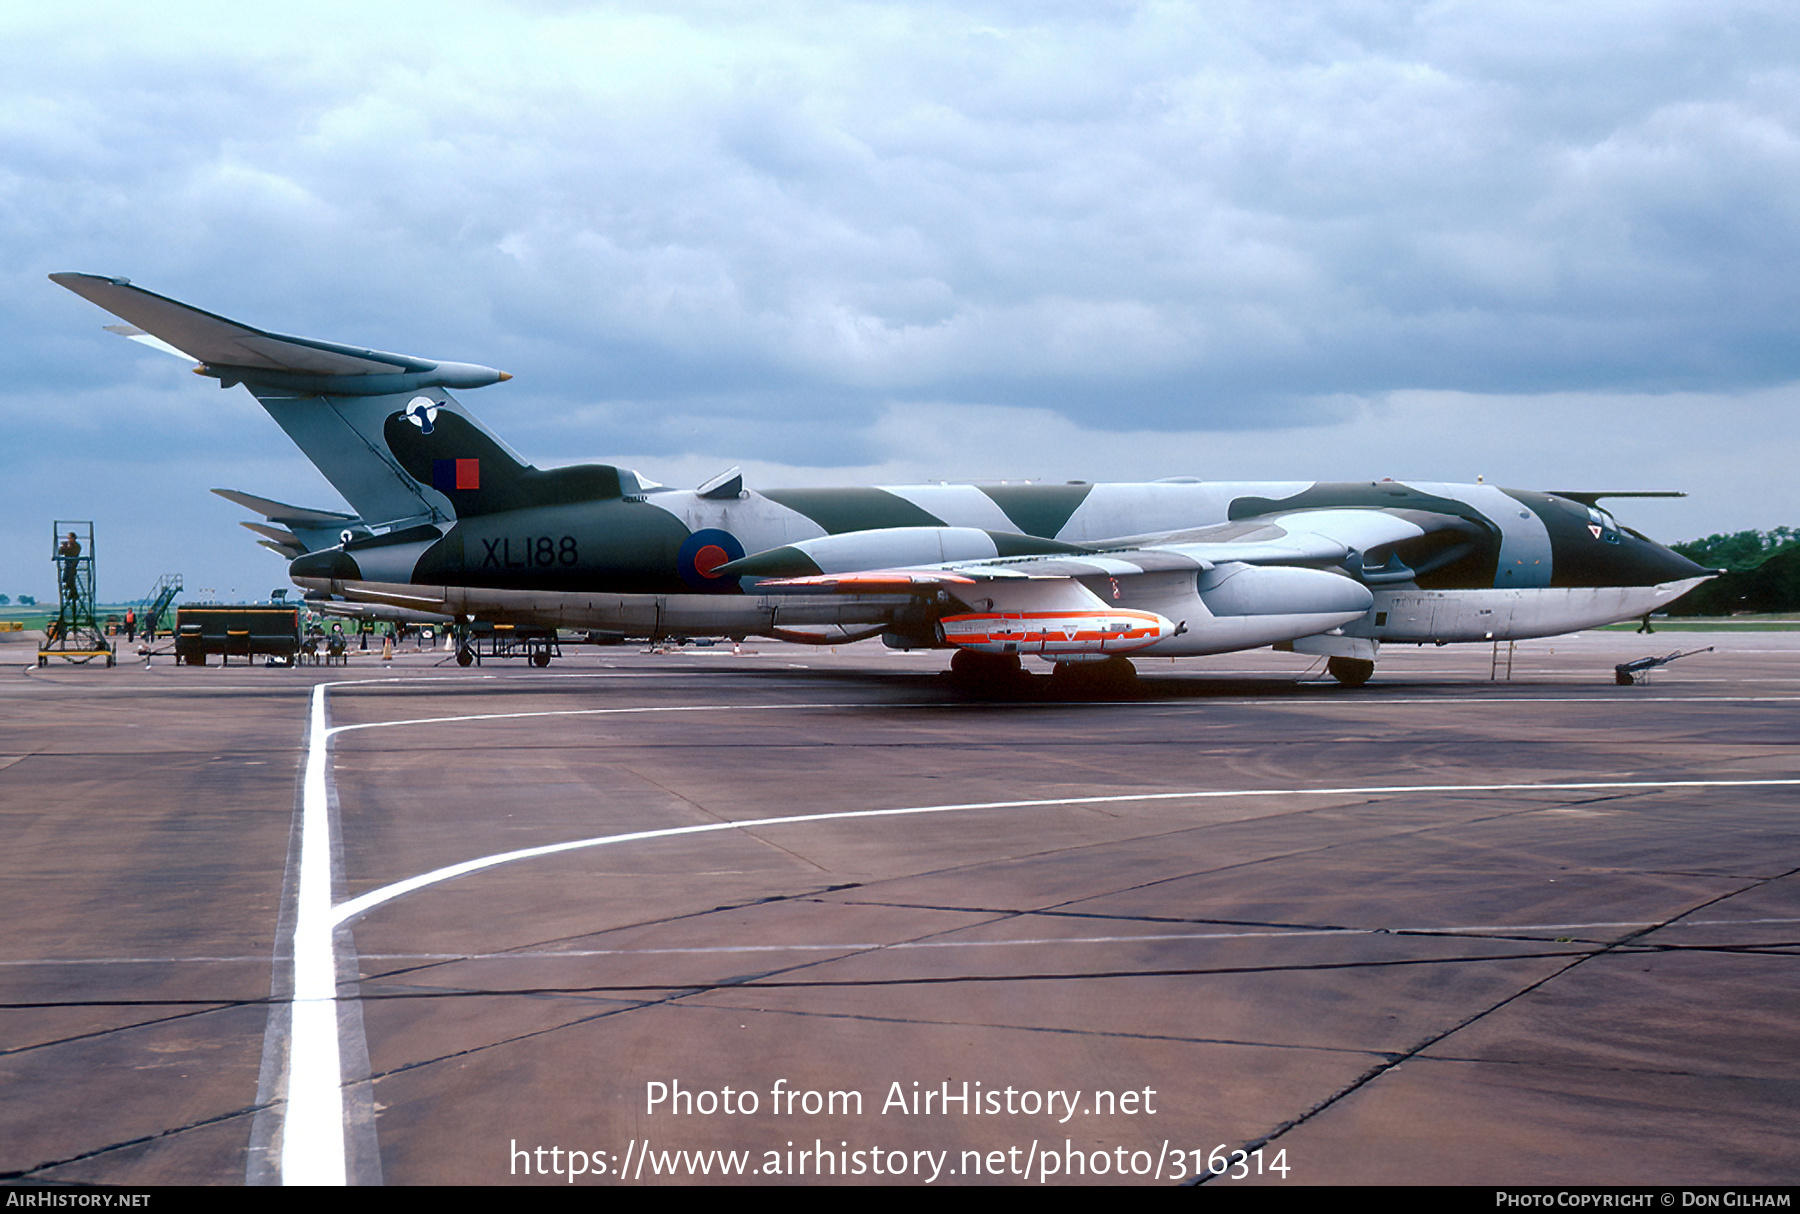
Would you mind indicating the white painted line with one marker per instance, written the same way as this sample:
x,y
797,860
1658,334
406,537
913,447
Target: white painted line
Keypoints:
x,y
1161,707
312,1141
346,911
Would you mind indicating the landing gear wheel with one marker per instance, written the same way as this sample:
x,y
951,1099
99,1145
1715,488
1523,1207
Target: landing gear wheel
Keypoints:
x,y
464,656
1351,672
1114,674
970,664
540,658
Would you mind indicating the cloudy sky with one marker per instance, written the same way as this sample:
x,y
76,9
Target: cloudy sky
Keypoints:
x,y
1553,244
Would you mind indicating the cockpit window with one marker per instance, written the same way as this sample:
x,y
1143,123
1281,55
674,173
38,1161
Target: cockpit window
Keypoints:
x,y
1603,525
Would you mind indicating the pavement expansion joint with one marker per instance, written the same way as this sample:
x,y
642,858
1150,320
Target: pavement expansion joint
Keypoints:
x,y
1564,1064
204,1005
111,1030
127,1144
547,1030
1777,949
1053,1030
1393,1060
1375,1073
768,982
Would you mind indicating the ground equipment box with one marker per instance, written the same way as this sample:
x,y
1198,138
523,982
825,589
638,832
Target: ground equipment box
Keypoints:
x,y
236,631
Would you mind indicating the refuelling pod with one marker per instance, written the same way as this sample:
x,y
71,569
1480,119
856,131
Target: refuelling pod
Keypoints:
x,y
1056,633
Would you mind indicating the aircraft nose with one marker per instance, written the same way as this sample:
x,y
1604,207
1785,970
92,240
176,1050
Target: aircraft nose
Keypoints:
x,y
1652,564
1588,549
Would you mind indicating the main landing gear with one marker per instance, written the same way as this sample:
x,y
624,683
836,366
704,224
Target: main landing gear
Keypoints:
x,y
985,667
1004,674
1109,675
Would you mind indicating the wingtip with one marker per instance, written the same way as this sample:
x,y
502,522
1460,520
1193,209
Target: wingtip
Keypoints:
x,y
65,277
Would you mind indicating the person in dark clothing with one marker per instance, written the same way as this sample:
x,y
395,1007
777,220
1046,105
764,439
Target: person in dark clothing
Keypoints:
x,y
69,556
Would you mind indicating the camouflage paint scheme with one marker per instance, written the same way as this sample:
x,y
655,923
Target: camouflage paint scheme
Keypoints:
x,y
450,521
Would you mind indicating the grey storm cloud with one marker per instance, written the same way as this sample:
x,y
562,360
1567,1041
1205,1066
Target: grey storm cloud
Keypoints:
x,y
775,226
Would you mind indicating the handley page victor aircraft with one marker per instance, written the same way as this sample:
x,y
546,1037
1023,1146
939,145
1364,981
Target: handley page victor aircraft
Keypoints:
x,y
450,521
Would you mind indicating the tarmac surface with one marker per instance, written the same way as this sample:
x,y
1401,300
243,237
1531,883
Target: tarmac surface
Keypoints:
x,y
1439,929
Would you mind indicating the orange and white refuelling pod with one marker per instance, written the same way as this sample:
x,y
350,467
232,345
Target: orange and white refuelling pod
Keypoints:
x,y
1114,630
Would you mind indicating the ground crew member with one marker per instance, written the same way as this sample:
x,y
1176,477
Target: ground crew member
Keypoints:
x,y
69,554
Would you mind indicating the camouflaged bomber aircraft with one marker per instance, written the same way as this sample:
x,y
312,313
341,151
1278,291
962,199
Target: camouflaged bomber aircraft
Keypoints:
x,y
451,522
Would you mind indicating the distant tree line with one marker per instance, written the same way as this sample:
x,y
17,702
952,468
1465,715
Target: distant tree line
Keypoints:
x,y
1740,551
1764,573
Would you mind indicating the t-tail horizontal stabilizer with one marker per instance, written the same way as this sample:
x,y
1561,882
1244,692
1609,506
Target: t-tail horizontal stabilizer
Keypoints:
x,y
296,530
334,401
235,353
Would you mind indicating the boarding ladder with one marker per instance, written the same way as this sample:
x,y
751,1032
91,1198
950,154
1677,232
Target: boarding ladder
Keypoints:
x,y
157,604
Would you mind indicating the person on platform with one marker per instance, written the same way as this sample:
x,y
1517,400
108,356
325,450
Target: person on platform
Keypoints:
x,y
69,556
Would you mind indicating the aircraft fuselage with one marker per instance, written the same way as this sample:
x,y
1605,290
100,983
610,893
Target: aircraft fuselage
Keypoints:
x,y
1517,564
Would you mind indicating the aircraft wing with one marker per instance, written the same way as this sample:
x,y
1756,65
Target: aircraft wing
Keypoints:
x,y
1236,585
1310,538
1302,537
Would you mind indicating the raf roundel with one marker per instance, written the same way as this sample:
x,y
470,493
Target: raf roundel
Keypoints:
x,y
422,412
703,552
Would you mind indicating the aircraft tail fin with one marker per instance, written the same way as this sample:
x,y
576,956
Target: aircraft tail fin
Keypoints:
x,y
470,467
